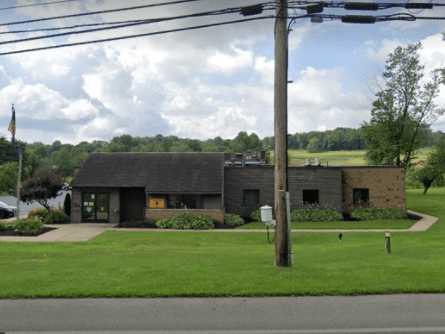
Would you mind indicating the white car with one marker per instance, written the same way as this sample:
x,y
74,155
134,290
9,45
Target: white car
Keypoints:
x,y
7,211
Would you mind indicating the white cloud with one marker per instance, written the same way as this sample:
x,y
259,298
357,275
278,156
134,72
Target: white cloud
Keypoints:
x,y
227,63
42,103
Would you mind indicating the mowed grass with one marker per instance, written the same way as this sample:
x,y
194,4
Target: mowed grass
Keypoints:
x,y
346,225
340,158
140,264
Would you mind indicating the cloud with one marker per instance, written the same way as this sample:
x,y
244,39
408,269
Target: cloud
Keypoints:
x,y
228,63
42,103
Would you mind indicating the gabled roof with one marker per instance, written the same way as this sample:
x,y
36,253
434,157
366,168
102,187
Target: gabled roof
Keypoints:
x,y
157,172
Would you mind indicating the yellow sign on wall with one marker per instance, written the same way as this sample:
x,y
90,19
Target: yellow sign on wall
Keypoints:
x,y
156,203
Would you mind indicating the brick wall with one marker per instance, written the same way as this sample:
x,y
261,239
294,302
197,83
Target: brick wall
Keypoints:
x,y
386,186
236,179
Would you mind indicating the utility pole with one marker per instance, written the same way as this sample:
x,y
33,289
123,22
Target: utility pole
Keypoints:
x,y
283,252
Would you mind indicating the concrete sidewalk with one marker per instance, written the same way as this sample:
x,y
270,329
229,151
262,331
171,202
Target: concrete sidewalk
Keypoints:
x,y
64,233
85,232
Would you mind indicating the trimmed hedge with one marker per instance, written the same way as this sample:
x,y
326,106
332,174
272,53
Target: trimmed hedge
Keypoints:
x,y
186,221
56,217
315,214
28,227
233,220
376,213
38,213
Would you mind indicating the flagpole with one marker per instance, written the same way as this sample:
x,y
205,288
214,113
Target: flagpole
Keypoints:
x,y
19,180
12,128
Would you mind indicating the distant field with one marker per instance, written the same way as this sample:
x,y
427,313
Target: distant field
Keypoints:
x,y
339,158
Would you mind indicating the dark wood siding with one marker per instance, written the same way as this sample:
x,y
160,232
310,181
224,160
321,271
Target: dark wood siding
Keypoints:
x,y
237,179
132,206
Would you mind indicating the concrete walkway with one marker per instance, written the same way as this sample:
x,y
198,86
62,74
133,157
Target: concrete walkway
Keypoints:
x,y
64,233
85,232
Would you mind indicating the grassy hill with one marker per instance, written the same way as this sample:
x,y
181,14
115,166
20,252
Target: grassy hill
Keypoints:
x,y
339,158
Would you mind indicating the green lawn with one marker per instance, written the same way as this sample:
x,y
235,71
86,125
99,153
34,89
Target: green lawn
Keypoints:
x,y
339,158
370,224
228,264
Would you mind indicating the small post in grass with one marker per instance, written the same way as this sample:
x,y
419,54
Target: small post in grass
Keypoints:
x,y
388,242
266,218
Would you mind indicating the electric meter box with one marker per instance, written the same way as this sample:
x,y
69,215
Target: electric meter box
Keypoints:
x,y
266,214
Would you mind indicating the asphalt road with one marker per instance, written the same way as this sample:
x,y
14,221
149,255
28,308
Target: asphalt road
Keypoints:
x,y
368,314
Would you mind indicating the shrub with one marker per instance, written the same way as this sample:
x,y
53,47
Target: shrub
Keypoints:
x,y
255,215
376,213
231,219
315,213
38,213
186,221
28,226
56,217
6,227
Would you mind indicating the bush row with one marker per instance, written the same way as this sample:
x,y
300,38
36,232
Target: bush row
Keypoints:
x,y
319,214
190,221
29,227
186,221
375,213
56,216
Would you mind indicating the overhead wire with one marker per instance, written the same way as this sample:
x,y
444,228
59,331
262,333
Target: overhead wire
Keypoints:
x,y
104,11
39,4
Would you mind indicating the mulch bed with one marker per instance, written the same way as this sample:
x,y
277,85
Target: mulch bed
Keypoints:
x,y
12,233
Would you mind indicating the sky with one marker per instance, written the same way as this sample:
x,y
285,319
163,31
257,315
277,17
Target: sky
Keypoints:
x,y
197,84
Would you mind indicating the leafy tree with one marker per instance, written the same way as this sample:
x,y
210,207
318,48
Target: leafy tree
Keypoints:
x,y
314,145
41,187
433,171
403,109
8,178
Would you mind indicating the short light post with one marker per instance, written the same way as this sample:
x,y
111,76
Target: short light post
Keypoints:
x,y
388,242
267,219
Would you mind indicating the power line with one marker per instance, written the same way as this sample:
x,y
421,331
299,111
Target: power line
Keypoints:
x,y
48,3
162,32
122,9
75,26
126,25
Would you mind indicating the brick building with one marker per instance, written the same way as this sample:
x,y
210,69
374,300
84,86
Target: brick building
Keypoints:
x,y
136,187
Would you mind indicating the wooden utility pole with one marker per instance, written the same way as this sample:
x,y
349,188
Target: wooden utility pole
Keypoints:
x,y
283,256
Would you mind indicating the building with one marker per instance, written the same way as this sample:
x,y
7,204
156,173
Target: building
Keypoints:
x,y
137,187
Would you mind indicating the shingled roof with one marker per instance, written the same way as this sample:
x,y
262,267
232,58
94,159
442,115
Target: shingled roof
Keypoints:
x,y
157,172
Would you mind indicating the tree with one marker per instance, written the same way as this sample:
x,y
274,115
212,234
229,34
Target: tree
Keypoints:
x,y
434,169
403,109
8,178
41,187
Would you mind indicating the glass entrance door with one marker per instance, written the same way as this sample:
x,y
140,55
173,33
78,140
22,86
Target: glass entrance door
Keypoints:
x,y
95,207
102,207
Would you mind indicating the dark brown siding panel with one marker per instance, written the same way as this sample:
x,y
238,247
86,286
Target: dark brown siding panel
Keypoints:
x,y
326,180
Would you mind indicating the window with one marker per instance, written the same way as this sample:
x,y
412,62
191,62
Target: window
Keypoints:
x,y
251,197
361,197
156,202
311,196
95,206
